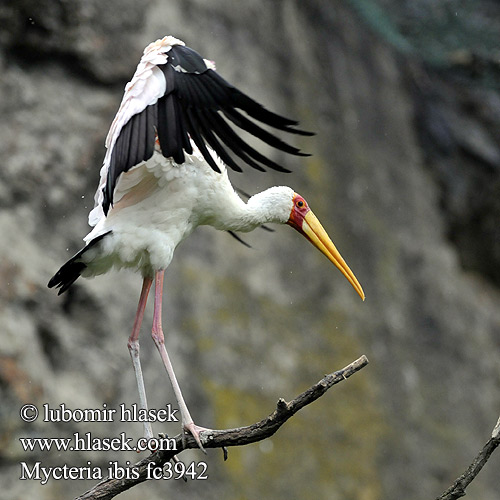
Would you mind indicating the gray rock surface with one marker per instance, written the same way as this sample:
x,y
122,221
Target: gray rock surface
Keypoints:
x,y
403,149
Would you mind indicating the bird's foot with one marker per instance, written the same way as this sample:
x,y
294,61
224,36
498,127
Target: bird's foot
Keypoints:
x,y
195,431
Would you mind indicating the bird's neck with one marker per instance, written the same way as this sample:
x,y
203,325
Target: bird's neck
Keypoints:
x,y
260,209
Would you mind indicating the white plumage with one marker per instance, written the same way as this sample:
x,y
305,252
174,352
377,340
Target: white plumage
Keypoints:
x,y
159,203
165,173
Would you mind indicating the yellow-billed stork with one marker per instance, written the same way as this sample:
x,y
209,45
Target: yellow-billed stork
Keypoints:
x,y
164,174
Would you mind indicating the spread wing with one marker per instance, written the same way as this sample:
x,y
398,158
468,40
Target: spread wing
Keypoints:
x,y
177,98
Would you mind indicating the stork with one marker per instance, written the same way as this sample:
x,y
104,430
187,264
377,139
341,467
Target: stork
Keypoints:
x,y
165,173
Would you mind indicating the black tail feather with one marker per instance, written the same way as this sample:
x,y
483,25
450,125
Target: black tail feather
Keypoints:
x,y
71,270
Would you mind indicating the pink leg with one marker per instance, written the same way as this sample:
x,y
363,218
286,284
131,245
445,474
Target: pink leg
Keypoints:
x,y
157,333
134,349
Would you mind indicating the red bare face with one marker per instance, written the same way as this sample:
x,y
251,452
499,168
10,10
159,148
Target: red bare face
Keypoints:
x,y
299,211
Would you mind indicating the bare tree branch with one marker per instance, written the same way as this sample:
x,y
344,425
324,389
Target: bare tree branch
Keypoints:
x,y
457,489
109,488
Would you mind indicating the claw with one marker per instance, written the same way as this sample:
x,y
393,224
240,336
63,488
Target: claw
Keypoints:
x,y
195,431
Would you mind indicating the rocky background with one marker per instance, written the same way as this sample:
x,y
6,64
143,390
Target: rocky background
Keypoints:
x,y
405,176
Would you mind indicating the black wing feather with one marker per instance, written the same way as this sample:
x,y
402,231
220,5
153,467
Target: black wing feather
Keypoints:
x,y
213,142
238,238
194,127
240,147
167,136
134,140
198,104
152,118
240,100
245,124
188,59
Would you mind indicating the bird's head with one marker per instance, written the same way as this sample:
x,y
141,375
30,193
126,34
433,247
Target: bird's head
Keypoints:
x,y
306,223
282,205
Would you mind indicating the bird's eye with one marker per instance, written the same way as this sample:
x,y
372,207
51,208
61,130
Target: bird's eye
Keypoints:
x,y
300,203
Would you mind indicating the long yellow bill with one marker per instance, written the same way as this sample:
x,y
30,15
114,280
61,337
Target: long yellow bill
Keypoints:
x,y
313,229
